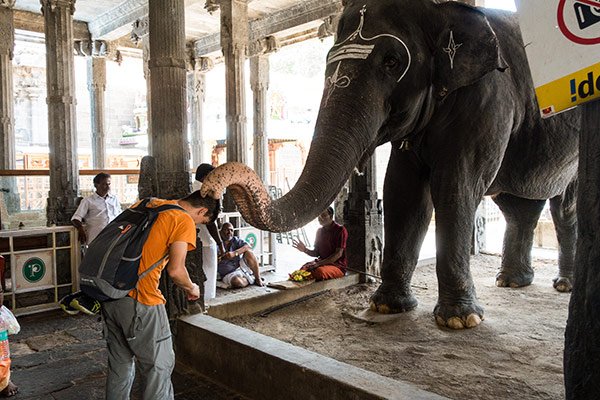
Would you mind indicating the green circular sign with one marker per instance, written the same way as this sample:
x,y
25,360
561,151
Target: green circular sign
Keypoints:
x,y
34,269
251,240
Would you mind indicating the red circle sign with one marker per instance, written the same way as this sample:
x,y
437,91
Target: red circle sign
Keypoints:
x,y
593,6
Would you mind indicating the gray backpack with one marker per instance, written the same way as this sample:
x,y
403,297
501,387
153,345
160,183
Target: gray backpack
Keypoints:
x,y
109,269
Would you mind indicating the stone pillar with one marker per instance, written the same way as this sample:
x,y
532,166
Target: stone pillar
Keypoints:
x,y
478,243
7,112
234,40
363,219
581,355
168,116
139,34
60,77
7,118
196,84
97,86
259,82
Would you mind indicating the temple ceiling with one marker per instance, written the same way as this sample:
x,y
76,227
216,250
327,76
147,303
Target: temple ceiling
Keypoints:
x,y
112,20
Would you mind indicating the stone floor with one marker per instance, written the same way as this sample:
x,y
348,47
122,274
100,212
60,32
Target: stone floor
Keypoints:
x,y
56,356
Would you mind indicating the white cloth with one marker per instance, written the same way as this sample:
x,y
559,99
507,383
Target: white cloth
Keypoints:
x,y
209,262
97,212
243,271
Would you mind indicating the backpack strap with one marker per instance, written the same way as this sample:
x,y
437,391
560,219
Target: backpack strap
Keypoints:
x,y
153,266
143,206
157,210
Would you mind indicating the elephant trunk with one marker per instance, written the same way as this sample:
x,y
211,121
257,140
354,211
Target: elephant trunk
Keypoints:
x,y
339,143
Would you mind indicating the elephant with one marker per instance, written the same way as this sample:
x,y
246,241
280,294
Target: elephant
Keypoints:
x,y
449,86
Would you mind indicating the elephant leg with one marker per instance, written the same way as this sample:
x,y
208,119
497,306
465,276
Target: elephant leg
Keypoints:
x,y
408,208
564,215
521,217
457,306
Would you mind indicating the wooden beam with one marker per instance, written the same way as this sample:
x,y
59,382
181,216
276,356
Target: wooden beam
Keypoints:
x,y
32,22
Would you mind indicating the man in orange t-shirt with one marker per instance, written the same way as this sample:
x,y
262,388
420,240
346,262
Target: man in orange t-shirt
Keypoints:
x,y
137,326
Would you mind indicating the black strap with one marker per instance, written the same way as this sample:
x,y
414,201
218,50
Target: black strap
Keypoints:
x,y
144,206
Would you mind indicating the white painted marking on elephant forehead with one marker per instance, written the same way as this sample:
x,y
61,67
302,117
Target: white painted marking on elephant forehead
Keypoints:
x,y
351,51
358,33
451,49
335,81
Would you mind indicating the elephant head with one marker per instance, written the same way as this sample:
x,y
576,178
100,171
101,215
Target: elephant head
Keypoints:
x,y
393,63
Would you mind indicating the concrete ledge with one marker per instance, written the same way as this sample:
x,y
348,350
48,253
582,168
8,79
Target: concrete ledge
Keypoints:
x,y
254,299
264,368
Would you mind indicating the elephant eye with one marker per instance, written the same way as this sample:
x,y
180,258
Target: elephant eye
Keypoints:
x,y
390,62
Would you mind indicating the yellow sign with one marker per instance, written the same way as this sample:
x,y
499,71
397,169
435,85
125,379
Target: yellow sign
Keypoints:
x,y
569,91
562,42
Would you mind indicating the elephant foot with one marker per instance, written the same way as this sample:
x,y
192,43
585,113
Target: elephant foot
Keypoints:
x,y
458,316
389,300
506,278
562,284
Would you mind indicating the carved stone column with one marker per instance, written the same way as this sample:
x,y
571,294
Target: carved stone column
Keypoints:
x,y
478,243
363,219
7,118
259,82
196,84
60,77
97,86
234,41
139,34
168,116
7,112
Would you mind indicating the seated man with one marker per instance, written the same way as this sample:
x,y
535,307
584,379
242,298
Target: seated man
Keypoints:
x,y
330,249
236,272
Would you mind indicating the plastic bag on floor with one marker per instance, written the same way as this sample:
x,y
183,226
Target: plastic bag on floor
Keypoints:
x,y
8,322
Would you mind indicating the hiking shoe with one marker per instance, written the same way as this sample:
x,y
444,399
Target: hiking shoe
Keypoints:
x,y
86,304
65,303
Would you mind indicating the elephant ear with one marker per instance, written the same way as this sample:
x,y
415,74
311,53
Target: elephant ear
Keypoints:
x,y
466,48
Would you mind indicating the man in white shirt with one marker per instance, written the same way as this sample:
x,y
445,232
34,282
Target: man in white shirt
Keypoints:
x,y
97,210
212,245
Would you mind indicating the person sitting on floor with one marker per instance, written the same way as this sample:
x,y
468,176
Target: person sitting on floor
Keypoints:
x,y
330,249
238,266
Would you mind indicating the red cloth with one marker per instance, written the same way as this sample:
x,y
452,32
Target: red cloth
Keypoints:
x,y
328,240
325,272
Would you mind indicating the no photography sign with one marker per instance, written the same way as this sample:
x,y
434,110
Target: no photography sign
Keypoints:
x,y
562,42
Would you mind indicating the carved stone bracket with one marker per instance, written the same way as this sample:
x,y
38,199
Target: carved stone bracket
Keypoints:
x,y
211,6
196,63
265,45
52,5
139,29
203,64
7,3
91,48
328,27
